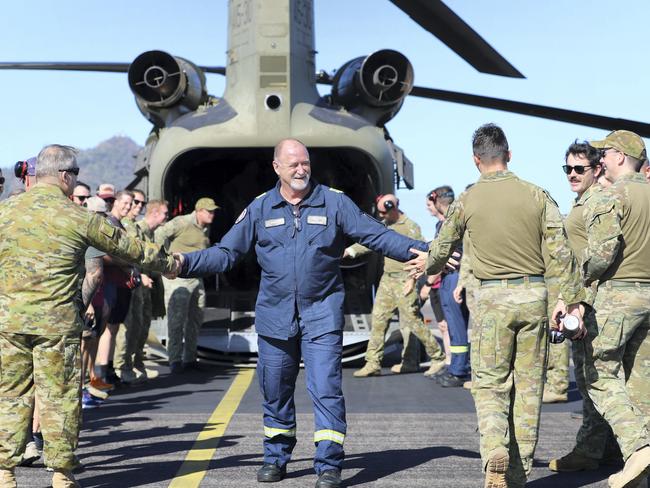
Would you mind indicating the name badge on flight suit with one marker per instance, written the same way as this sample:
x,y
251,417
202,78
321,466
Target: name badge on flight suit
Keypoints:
x,y
317,219
274,222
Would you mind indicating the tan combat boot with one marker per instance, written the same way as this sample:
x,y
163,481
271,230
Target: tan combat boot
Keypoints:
x,y
369,369
7,478
636,468
553,397
573,462
495,471
64,479
402,368
436,366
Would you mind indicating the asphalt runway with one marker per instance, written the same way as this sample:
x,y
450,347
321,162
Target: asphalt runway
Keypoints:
x,y
403,431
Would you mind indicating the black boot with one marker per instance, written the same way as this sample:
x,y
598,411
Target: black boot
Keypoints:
x,y
270,473
329,479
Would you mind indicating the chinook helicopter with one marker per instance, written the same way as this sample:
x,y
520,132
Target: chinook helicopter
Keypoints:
x,y
203,145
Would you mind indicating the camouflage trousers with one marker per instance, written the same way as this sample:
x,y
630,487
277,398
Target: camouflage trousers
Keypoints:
x,y
185,299
595,438
617,351
51,368
132,337
390,297
557,370
508,358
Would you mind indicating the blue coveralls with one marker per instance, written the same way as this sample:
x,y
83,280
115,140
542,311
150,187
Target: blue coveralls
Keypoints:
x,y
457,317
299,309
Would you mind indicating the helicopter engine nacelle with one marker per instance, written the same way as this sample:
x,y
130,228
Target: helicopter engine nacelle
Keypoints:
x,y
375,86
166,86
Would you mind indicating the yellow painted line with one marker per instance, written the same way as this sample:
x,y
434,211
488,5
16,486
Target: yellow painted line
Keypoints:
x,y
198,458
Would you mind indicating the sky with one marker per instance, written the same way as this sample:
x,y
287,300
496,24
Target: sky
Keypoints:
x,y
585,55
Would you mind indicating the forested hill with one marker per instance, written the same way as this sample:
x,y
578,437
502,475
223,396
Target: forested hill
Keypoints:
x,y
111,161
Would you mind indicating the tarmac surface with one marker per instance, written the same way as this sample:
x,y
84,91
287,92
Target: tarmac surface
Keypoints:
x,y
403,431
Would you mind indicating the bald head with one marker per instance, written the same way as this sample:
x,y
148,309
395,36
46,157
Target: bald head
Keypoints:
x,y
291,164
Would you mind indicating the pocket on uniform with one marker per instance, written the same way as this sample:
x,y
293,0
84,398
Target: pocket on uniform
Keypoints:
x,y
484,353
607,344
71,360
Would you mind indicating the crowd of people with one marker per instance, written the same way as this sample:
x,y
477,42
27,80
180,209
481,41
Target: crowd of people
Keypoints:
x,y
504,259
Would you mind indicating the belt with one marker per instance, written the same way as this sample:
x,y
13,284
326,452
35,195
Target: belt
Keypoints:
x,y
514,281
624,284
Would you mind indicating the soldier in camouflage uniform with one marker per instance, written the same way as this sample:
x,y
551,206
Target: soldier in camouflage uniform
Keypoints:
x,y
595,442
130,341
618,253
390,296
41,269
509,222
185,297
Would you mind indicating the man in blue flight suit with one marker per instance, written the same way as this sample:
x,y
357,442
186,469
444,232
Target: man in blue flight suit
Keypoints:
x,y
299,229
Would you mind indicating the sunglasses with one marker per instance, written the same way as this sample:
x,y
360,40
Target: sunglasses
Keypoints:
x,y
139,202
580,170
432,197
83,198
74,171
109,199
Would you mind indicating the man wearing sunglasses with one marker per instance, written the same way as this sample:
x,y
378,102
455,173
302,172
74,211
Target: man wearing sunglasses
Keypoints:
x,y
582,168
595,442
80,194
617,257
41,306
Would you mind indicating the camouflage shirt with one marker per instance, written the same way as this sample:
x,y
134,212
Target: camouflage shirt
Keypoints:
x,y
183,234
44,240
577,231
404,226
617,221
509,221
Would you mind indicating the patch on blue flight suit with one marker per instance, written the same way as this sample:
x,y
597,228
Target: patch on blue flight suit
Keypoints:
x,y
274,222
317,219
241,216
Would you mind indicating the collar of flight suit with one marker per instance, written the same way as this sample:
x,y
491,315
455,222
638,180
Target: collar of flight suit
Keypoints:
x,y
314,198
497,175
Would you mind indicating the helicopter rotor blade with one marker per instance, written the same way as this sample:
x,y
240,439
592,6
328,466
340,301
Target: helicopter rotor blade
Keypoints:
x,y
438,19
98,67
533,110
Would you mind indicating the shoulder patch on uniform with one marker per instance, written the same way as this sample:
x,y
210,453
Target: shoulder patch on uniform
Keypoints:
x,y
106,228
258,196
243,214
335,190
548,195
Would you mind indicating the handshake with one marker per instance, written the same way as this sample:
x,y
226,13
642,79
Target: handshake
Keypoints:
x,y
176,267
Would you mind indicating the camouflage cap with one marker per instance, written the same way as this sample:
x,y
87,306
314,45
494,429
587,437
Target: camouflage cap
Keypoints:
x,y
206,203
625,141
96,204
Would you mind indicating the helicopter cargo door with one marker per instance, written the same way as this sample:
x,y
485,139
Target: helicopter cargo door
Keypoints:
x,y
234,177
